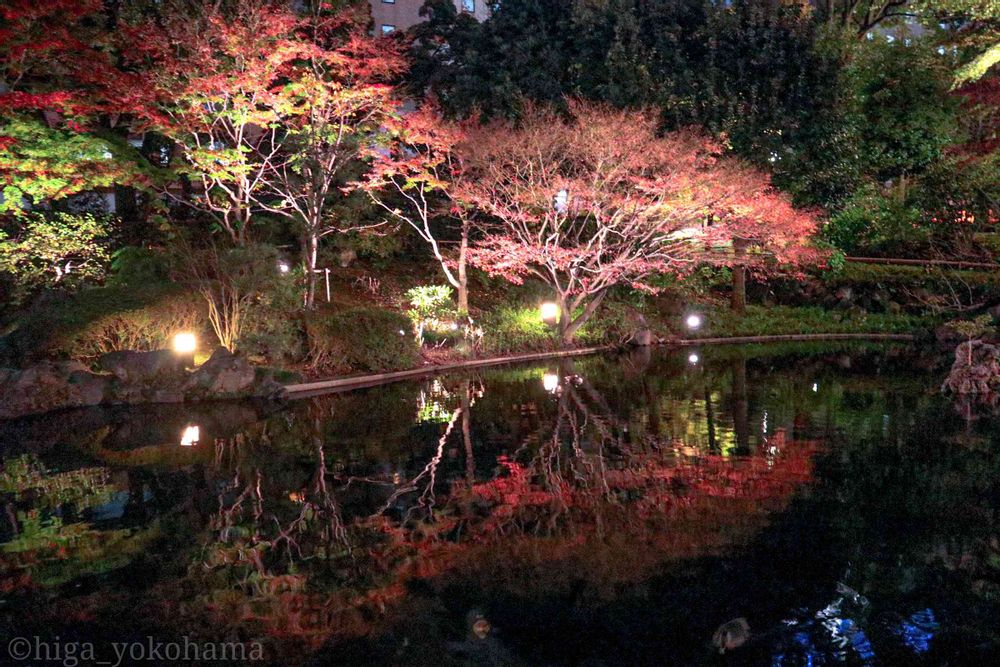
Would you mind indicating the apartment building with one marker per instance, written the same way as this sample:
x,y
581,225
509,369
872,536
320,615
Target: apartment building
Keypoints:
x,y
391,15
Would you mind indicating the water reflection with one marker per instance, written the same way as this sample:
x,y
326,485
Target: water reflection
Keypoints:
x,y
634,504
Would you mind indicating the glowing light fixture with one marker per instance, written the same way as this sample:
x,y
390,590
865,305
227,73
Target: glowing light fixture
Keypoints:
x,y
693,321
815,386
693,358
550,381
550,312
191,436
561,201
284,267
185,343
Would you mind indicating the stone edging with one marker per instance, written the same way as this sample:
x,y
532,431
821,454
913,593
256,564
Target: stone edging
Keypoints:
x,y
306,389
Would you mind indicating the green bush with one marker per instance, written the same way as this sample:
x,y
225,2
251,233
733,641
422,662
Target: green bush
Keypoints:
x,y
137,266
431,311
54,250
272,331
84,325
856,274
783,320
360,339
511,329
872,223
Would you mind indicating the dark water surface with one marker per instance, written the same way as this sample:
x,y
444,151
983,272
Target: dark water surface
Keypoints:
x,y
604,511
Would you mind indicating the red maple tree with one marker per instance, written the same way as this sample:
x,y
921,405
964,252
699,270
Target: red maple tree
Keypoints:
x,y
414,179
603,200
55,132
333,105
206,78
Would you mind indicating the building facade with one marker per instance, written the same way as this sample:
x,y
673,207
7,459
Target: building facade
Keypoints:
x,y
391,15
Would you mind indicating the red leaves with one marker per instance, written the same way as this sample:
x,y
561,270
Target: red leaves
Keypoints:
x,y
19,101
634,204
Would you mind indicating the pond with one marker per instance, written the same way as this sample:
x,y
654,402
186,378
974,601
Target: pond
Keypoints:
x,y
598,511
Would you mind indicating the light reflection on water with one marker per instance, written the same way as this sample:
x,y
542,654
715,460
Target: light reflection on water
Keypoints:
x,y
634,504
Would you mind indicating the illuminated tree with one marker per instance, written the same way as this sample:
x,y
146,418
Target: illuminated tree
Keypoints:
x,y
207,79
53,140
974,26
603,201
414,180
330,110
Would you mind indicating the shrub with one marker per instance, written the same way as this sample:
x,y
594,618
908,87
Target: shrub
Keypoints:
x,y
873,223
510,329
360,339
780,320
54,250
149,328
93,321
613,323
236,284
137,266
430,309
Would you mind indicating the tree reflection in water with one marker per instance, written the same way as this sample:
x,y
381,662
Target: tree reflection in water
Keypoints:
x,y
636,507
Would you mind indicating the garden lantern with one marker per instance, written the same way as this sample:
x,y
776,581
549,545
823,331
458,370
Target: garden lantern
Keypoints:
x,y
185,344
190,436
550,381
550,312
693,321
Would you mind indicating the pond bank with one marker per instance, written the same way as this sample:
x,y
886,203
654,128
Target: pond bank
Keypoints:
x,y
306,389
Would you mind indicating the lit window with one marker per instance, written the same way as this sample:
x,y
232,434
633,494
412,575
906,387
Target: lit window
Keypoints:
x,y
469,6
386,28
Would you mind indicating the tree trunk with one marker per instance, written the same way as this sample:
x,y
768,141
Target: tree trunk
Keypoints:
x,y
738,301
463,277
470,461
125,203
569,329
311,252
713,443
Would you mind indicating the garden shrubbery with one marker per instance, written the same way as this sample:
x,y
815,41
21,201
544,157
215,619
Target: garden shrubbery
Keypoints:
x,y
778,320
360,339
509,329
98,320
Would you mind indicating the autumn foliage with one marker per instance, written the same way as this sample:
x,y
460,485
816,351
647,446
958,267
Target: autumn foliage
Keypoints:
x,y
604,200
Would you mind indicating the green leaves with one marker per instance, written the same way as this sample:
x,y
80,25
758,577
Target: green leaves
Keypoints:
x,y
39,162
54,250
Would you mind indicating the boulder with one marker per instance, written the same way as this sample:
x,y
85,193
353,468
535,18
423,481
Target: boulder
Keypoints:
x,y
976,369
227,375
135,377
143,367
49,386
